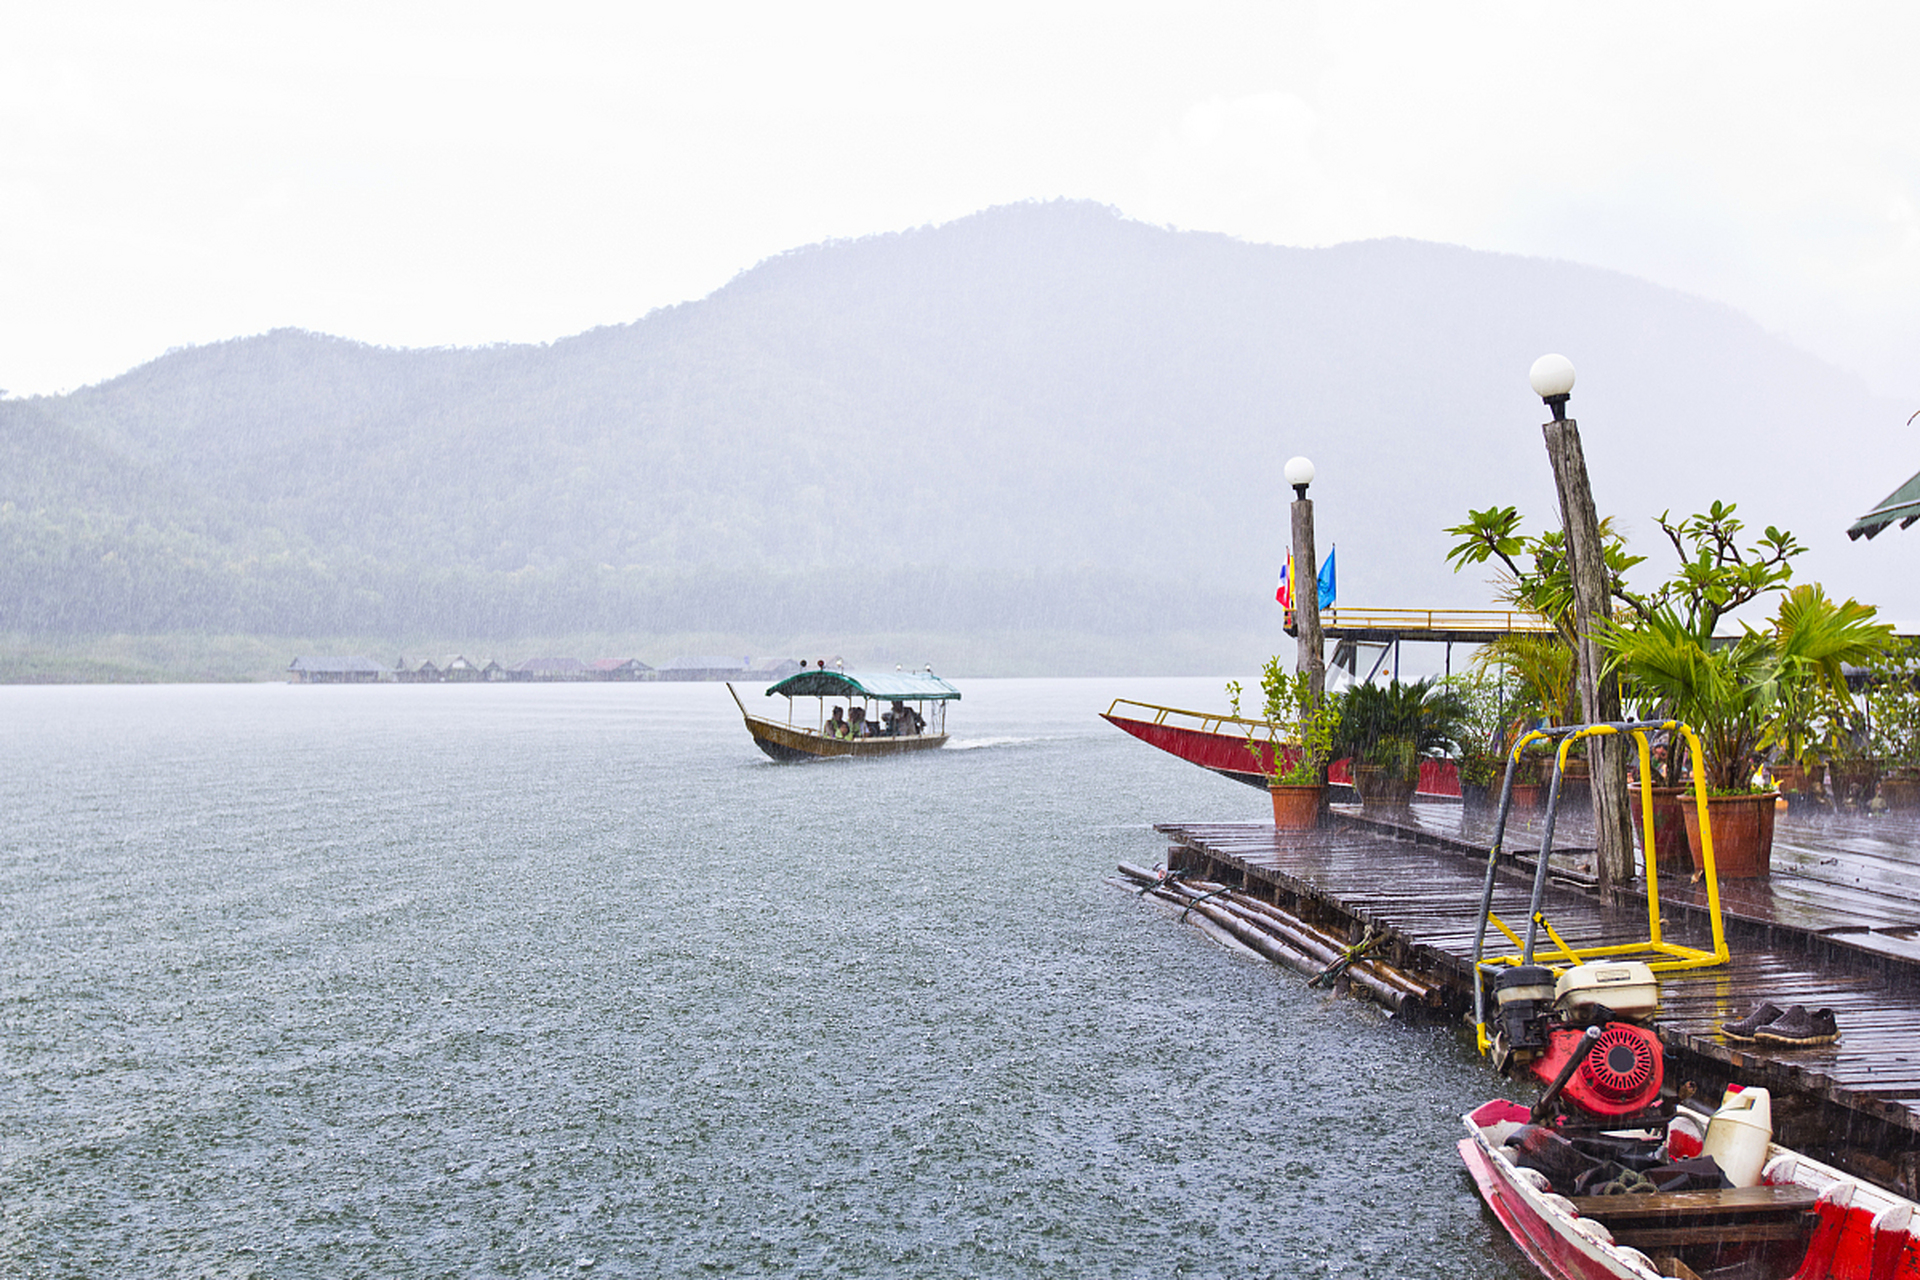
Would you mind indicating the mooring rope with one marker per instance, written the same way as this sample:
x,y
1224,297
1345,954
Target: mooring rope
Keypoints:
x,y
1225,888
1331,974
1162,880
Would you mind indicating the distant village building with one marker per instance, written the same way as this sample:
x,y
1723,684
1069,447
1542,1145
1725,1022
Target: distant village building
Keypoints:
x,y
618,669
550,669
712,668
462,670
335,670
457,670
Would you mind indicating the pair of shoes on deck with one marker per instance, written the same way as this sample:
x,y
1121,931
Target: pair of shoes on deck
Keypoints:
x,y
1793,1026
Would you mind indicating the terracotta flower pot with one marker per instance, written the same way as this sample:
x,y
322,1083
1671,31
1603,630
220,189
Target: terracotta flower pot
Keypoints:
x,y
1742,833
1380,790
1670,851
1901,790
1576,791
1792,778
1296,808
1853,782
1527,796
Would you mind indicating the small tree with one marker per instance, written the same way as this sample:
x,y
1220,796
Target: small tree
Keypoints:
x,y
1671,669
1295,721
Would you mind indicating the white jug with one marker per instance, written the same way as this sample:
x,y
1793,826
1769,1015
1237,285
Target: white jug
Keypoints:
x,y
1739,1134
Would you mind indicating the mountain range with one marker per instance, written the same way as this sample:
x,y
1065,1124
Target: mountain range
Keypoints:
x,y
1044,418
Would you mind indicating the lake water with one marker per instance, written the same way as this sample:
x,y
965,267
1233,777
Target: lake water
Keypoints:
x,y
571,980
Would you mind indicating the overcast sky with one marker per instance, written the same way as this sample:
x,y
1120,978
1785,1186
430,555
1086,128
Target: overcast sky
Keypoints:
x,y
427,174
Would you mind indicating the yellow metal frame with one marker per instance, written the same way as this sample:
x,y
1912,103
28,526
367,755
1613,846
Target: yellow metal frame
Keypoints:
x,y
1660,955
1363,618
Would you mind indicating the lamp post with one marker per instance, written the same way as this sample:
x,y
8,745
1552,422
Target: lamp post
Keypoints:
x,y
1552,379
1306,584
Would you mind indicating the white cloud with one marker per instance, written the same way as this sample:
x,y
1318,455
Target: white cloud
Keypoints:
x,y
441,173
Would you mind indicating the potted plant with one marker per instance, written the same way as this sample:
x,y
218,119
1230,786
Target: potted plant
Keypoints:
x,y
1387,729
1729,693
1299,746
1892,697
1483,738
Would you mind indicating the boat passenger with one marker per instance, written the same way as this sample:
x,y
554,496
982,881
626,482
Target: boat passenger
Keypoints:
x,y
836,726
858,726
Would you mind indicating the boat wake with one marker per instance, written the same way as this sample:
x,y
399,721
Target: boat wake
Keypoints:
x,y
974,744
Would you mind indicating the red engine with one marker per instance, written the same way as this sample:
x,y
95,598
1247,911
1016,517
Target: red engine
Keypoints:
x,y
1620,1076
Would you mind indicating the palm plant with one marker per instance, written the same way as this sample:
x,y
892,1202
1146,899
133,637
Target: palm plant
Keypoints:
x,y
1733,694
1545,669
1725,692
1816,638
1391,726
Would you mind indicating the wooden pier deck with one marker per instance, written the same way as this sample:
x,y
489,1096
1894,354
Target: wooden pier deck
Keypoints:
x,y
1836,926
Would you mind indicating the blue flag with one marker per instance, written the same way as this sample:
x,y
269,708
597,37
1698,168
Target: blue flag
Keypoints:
x,y
1327,586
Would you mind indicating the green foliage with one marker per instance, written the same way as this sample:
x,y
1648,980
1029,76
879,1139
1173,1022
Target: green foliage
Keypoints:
x,y
1294,720
1892,698
1394,725
1715,576
1537,577
1536,573
1290,697
1544,668
1484,732
1740,696
1724,692
1736,696
1815,638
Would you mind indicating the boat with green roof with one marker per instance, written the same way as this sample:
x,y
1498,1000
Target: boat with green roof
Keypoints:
x,y
873,714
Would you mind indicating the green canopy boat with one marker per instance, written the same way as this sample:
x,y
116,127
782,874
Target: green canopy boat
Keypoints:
x,y
873,714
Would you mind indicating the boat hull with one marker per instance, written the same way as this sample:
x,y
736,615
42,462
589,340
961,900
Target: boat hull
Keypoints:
x,y
1554,1251
1224,753
788,743
1228,754
1863,1232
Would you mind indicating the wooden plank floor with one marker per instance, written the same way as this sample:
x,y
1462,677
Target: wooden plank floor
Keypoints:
x,y
1855,879
1428,895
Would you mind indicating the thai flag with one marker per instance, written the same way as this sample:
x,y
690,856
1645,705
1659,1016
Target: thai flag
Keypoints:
x,y
1327,583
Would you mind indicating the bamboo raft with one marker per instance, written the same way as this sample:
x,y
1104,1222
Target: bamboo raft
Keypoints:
x,y
1831,929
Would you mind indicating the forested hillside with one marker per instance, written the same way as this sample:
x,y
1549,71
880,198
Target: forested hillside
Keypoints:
x,y
1042,416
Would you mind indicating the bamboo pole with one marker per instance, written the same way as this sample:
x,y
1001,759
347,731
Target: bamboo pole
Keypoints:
x,y
1269,933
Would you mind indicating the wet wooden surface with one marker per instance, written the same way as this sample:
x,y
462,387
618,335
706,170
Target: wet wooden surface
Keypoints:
x,y
1421,879
1855,880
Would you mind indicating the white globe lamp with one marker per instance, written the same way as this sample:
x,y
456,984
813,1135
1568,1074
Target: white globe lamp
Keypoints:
x,y
1299,474
1552,379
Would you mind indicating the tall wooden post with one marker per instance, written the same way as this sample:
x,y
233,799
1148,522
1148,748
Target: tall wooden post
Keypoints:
x,y
1599,693
1306,599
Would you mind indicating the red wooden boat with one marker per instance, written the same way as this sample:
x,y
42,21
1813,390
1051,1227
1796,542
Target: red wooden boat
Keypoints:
x,y
1803,1221
1241,748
